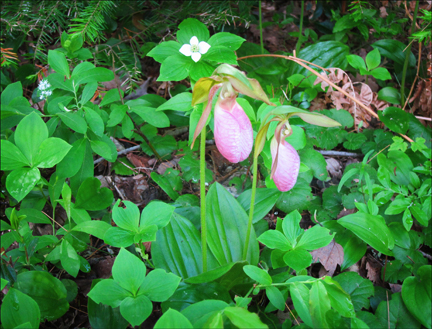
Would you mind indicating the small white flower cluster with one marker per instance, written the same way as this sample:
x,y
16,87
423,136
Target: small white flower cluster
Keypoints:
x,y
43,87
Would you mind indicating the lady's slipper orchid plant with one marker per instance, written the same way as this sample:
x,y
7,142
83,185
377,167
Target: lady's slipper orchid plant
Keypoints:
x,y
232,127
285,159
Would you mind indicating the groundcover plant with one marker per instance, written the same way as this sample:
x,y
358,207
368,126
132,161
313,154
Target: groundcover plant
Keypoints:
x,y
231,164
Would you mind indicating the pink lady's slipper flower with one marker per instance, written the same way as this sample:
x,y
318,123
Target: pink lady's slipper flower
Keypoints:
x,y
286,164
232,129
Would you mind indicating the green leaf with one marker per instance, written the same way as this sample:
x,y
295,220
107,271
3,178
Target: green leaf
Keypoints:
x,y
394,50
298,259
265,199
192,27
175,68
51,151
173,319
354,141
316,162
390,95
69,258
319,302
74,121
275,240
48,292
300,296
180,102
108,292
229,236
420,215
88,92
373,59
91,197
73,160
381,73
21,181
95,228
416,294
128,271
201,69
158,285
258,275
156,213
221,54
119,237
396,312
29,135
57,61
229,40
395,119
11,92
111,96
11,157
371,229
150,114
18,309
339,299
400,161
164,50
291,228
398,205
165,185
190,167
315,238
356,62
298,198
97,74
242,318
117,114
276,298
94,121
126,218
199,312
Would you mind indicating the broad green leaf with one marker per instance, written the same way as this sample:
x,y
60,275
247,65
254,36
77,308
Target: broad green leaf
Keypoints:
x,y
88,92
91,197
126,218
94,121
158,285
117,114
156,213
373,59
175,68
108,292
69,258
394,50
29,135
164,50
298,198
11,92
395,119
275,240
265,200
150,115
119,237
97,74
51,151
74,121
48,292
319,305
173,319
257,274
417,294
111,96
242,318
315,238
95,227
400,161
390,95
276,298
11,157
356,62
21,181
371,229
298,259
395,311
128,271
316,162
381,73
226,39
291,228
136,309
73,160
339,299
180,102
192,27
229,236
18,309
221,54
199,312
165,185
57,61
300,296
398,205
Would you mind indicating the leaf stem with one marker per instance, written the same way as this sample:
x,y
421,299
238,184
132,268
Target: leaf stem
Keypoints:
x,y
203,201
260,27
252,206
408,51
299,41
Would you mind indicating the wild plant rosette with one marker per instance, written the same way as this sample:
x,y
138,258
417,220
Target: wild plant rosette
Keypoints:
x,y
195,53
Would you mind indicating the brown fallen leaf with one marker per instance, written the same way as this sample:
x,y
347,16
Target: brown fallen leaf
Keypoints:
x,y
373,268
329,256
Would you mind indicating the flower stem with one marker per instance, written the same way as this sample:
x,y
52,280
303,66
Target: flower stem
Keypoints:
x,y
408,51
299,41
203,201
260,27
252,207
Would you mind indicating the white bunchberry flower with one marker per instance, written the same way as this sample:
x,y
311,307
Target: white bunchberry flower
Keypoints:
x,y
195,49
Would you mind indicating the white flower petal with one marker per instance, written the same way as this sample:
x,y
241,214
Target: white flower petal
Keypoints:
x,y
186,50
194,41
196,57
203,47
